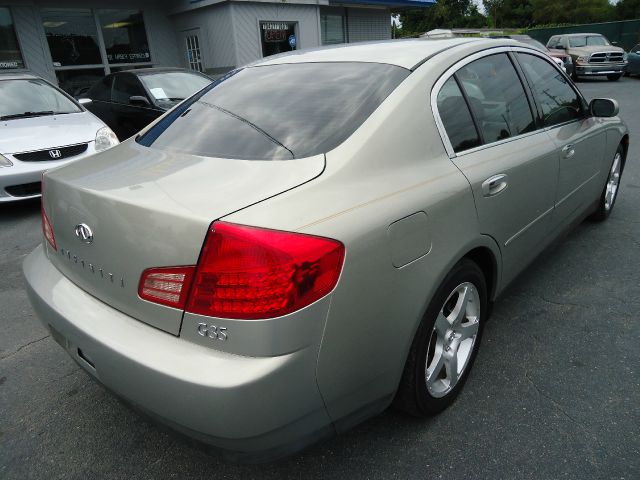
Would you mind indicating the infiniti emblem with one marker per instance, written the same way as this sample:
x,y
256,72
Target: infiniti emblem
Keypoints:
x,y
55,153
84,233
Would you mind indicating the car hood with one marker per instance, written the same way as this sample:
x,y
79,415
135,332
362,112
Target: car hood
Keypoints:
x,y
588,50
40,133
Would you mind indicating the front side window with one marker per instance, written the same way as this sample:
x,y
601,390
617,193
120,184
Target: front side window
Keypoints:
x,y
497,98
125,37
32,97
277,112
456,117
559,102
10,56
587,40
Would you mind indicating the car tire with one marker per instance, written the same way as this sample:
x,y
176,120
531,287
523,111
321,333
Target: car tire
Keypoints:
x,y
614,78
611,188
447,341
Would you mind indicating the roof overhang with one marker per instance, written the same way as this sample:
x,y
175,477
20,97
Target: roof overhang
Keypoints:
x,y
387,3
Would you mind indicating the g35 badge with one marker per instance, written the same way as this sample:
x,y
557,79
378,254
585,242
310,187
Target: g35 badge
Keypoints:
x,y
211,331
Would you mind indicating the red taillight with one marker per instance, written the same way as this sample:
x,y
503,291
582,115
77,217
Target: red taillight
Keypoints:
x,y
251,273
167,286
47,229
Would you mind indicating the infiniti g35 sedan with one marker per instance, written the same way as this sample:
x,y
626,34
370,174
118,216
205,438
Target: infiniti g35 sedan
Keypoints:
x,y
262,271
41,127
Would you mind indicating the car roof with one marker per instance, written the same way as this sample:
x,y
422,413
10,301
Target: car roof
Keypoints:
x,y
579,34
403,53
148,71
18,76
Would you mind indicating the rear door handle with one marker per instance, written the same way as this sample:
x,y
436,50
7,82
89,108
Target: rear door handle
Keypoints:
x,y
568,151
494,185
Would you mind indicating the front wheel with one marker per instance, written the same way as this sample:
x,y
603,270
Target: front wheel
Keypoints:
x,y
446,343
615,77
610,192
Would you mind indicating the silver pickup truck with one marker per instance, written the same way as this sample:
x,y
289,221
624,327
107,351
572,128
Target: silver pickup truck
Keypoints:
x,y
592,55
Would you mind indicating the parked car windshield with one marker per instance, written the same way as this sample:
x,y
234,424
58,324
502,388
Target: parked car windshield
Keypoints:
x,y
32,97
277,111
587,40
172,86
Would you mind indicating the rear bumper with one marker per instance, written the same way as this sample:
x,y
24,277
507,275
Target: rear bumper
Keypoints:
x,y
254,408
591,70
21,181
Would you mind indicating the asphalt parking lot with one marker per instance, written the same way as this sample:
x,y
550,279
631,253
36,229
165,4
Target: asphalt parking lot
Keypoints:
x,y
555,391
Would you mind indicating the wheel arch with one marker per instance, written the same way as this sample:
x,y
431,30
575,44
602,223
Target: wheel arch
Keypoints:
x,y
486,260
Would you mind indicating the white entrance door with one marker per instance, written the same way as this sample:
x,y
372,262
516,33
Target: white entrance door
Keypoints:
x,y
193,53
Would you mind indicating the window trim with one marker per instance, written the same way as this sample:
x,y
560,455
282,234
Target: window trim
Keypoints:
x,y
476,56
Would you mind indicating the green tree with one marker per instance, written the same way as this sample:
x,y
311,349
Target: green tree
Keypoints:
x,y
571,11
444,14
509,13
628,9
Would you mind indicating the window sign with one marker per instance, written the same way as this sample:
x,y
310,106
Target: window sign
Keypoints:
x,y
72,36
277,37
332,29
10,56
125,37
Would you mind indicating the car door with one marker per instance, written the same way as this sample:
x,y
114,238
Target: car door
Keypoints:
x,y
131,115
510,163
578,136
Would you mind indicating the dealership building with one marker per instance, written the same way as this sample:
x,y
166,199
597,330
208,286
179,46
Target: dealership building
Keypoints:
x,y
75,42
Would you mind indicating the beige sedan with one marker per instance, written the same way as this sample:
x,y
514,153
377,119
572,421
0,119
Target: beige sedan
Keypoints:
x,y
318,234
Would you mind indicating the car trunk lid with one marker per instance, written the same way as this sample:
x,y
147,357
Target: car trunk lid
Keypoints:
x,y
148,208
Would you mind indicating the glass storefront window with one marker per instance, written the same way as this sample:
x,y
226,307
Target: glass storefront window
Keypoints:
x,y
278,37
72,36
332,28
10,56
125,38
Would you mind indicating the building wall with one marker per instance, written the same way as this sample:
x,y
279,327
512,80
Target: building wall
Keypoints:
x,y
246,17
365,24
35,51
217,41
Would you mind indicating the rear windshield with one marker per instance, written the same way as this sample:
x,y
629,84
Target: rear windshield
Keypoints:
x,y
277,112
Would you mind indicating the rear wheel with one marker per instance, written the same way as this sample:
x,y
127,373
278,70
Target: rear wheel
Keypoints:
x,y
610,192
446,343
615,77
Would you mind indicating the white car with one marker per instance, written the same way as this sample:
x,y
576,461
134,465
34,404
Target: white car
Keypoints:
x,y
41,127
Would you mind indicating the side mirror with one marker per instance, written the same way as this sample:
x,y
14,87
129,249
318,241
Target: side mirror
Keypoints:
x,y
604,107
139,101
560,47
85,101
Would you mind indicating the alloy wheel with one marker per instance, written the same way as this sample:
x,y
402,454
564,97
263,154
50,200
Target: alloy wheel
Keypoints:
x,y
613,182
452,339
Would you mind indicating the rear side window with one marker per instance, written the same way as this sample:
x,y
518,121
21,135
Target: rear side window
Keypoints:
x,y
277,111
456,117
559,102
101,90
497,98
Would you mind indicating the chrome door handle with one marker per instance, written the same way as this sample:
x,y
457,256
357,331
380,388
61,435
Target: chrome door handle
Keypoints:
x,y
494,185
568,151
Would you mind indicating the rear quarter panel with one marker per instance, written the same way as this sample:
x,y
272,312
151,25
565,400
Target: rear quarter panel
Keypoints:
x,y
393,166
